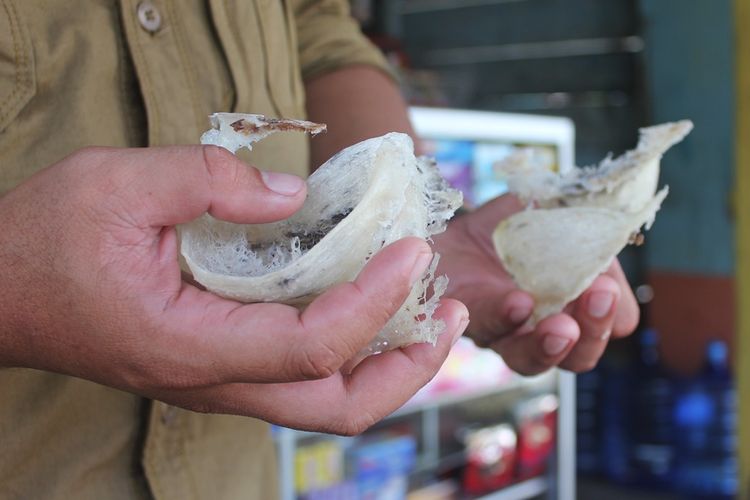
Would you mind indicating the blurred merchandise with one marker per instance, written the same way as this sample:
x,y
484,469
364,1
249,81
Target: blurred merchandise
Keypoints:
x,y
706,427
444,490
488,181
467,369
588,421
341,491
468,145
454,159
421,87
318,466
536,425
491,457
653,454
489,178
381,466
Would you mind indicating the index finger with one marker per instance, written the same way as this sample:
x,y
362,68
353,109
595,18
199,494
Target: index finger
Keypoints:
x,y
343,404
277,343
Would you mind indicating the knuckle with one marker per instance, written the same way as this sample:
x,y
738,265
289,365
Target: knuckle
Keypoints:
x,y
319,361
530,371
223,167
582,365
383,304
522,359
355,424
487,334
527,367
370,307
143,378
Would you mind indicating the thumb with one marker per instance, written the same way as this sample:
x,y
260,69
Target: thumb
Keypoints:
x,y
173,185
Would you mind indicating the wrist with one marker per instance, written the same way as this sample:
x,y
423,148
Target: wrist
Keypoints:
x,y
14,308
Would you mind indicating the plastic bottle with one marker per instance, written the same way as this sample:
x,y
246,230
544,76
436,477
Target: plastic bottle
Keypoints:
x,y
705,419
616,399
588,421
652,452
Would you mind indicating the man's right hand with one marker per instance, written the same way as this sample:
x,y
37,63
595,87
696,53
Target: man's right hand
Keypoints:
x,y
92,288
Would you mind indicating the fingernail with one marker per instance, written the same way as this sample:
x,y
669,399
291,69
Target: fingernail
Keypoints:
x,y
554,345
283,184
420,265
518,315
461,329
600,304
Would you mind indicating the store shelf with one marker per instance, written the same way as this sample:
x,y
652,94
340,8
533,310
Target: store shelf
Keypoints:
x,y
545,380
520,491
434,414
443,464
429,409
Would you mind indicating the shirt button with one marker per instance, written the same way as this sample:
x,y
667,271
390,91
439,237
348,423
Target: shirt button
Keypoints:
x,y
149,16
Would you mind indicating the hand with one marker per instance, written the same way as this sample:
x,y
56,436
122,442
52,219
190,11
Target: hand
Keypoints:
x,y
574,339
92,289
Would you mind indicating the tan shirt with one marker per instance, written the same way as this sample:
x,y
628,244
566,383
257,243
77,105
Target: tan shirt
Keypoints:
x,y
74,74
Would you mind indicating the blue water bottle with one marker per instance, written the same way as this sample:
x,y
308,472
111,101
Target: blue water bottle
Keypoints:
x,y
652,452
588,421
616,398
706,423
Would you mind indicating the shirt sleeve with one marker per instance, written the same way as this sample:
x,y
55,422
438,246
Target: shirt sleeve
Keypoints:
x,y
328,38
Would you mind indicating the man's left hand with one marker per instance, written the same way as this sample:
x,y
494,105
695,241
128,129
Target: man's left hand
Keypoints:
x,y
574,339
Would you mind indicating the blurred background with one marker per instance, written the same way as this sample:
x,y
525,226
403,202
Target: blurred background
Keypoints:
x,y
658,418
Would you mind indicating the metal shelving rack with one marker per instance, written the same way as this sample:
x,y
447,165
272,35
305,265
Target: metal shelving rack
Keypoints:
x,y
559,485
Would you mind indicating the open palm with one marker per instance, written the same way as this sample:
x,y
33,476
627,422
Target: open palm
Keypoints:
x,y
574,339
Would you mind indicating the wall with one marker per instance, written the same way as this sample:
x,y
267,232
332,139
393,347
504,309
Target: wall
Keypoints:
x,y
574,58
689,74
689,71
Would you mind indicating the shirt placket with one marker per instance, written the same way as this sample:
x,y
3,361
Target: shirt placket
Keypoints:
x,y
164,456
165,71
